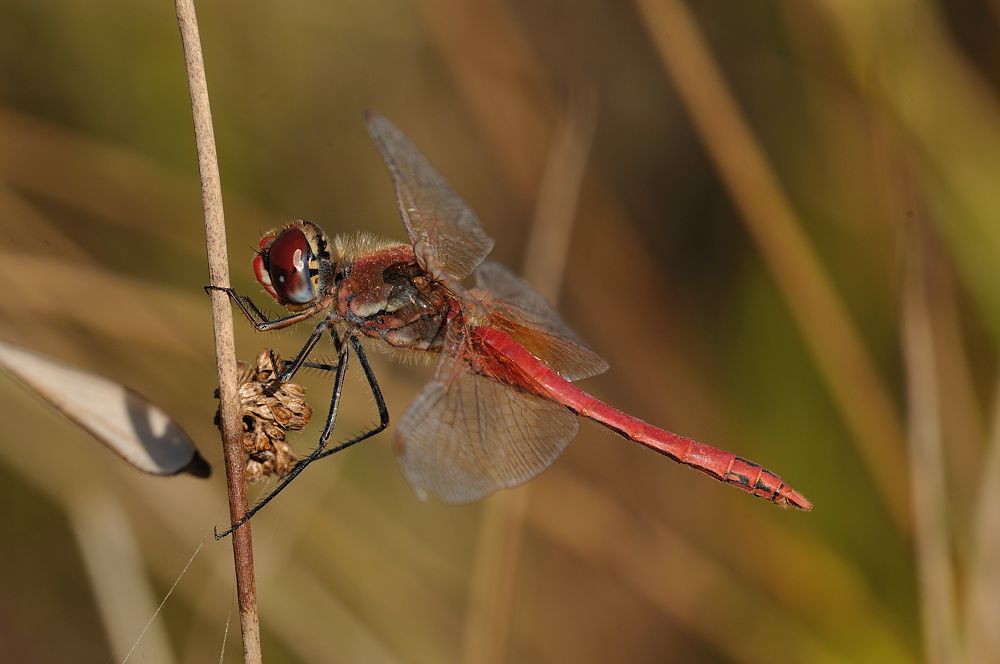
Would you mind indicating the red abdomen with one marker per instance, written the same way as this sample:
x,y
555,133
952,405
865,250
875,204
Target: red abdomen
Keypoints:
x,y
523,370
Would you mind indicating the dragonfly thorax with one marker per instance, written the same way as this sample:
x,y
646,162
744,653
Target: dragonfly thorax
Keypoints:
x,y
383,292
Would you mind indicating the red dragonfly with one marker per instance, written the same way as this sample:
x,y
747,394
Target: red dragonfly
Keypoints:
x,y
502,404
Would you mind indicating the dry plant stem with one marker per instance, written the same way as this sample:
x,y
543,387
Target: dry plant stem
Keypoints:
x,y
548,243
982,611
121,585
930,509
501,531
218,270
765,209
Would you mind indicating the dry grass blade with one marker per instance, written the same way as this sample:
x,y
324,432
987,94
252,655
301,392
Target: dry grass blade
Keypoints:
x,y
930,508
480,38
548,243
770,219
948,108
122,420
99,178
982,639
111,555
491,603
962,419
491,588
161,317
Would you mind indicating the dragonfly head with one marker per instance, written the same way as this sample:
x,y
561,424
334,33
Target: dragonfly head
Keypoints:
x,y
294,265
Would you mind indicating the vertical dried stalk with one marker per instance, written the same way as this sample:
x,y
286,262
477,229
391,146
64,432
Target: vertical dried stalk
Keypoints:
x,y
122,592
498,551
930,509
548,244
225,354
982,611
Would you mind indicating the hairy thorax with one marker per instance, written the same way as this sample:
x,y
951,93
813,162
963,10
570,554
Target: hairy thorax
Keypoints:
x,y
385,294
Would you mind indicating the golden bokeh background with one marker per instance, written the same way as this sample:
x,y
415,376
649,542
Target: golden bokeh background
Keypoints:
x,y
778,221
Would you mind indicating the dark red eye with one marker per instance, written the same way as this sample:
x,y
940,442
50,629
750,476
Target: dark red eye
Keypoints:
x,y
288,259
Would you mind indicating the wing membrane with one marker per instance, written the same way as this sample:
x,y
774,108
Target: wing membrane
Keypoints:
x,y
466,435
447,237
522,312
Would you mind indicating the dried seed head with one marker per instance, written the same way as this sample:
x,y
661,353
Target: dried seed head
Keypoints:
x,y
268,409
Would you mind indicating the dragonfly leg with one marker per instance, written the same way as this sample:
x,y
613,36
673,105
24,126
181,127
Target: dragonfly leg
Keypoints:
x,y
383,411
338,387
257,317
322,366
288,369
321,452
319,366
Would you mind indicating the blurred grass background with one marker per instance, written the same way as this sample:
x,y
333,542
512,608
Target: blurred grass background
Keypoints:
x,y
778,221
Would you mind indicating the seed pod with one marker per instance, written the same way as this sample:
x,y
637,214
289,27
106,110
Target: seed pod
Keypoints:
x,y
268,409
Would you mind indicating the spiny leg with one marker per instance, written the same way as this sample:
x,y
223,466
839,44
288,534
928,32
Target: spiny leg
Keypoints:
x,y
319,366
249,309
290,368
257,317
383,411
338,387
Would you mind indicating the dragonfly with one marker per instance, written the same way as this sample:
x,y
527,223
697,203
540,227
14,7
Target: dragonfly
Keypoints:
x,y
502,404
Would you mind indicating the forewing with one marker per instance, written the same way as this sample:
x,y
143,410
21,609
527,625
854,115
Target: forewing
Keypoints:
x,y
466,436
522,312
447,236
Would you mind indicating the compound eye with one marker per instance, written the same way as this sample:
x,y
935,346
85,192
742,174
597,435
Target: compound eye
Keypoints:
x,y
288,259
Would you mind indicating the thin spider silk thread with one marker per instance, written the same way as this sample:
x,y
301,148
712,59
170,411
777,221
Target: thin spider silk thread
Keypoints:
x,y
165,598
225,634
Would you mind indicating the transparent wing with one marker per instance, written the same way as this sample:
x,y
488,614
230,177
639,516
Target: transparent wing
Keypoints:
x,y
522,312
466,436
446,235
